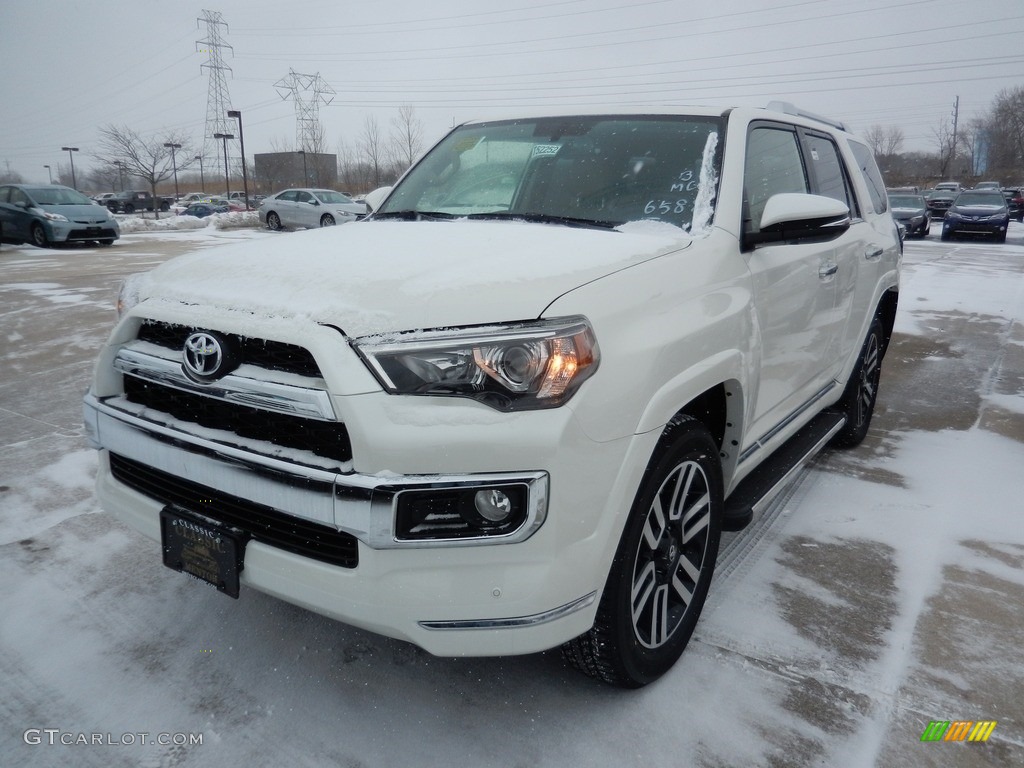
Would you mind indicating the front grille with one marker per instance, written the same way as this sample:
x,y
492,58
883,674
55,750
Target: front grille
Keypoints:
x,y
324,438
275,355
92,233
264,524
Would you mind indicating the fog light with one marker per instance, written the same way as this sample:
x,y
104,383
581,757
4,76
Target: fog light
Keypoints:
x,y
493,505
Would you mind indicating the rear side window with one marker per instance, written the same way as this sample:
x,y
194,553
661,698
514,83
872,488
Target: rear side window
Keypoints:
x,y
829,172
872,176
773,166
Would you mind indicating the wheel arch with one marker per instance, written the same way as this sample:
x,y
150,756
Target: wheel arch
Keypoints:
x,y
886,313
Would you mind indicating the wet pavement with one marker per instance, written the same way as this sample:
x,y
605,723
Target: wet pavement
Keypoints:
x,y
882,592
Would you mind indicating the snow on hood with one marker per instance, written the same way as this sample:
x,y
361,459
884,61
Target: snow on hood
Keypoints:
x,y
379,277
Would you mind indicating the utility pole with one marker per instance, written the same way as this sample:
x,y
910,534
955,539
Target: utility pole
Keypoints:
x,y
956,119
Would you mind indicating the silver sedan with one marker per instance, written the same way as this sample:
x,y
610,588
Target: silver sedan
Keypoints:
x,y
309,208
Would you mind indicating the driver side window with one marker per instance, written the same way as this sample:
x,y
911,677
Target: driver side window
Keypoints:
x,y
774,165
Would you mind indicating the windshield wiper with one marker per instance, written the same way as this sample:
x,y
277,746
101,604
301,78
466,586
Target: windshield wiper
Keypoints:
x,y
546,218
410,215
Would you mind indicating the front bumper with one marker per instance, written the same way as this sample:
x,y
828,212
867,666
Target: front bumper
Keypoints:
x,y
73,231
469,598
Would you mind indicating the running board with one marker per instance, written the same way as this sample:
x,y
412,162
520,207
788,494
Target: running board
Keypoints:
x,y
771,477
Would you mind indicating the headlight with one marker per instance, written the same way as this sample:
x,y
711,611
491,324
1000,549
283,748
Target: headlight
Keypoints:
x,y
516,367
53,216
129,294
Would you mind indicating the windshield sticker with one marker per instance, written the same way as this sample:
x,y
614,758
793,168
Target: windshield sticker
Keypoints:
x,y
546,150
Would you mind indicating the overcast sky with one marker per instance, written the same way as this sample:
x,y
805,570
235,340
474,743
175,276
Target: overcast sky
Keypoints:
x,y
73,66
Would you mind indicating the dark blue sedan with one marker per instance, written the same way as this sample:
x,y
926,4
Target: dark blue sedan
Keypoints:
x,y
202,210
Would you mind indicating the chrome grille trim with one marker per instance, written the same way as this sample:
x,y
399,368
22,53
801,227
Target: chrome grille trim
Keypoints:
x,y
288,399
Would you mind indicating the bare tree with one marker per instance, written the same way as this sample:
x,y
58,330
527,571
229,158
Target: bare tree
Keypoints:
x,y
406,138
9,176
943,135
1005,133
371,144
146,159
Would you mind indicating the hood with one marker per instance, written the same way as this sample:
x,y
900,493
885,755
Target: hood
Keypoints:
x,y
379,277
985,209
83,214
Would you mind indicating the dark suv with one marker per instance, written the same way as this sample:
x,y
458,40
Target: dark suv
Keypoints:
x,y
977,212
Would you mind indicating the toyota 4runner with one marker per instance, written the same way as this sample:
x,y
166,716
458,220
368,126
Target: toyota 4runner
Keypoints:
x,y
515,408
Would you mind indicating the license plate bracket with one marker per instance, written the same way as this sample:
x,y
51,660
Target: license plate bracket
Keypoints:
x,y
202,548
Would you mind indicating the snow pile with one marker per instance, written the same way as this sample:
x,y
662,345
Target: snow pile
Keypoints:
x,y
234,220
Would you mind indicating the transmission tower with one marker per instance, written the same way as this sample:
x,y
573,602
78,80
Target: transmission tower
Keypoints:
x,y
308,92
217,101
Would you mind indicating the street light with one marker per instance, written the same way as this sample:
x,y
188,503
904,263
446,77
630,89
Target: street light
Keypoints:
x,y
174,165
227,180
69,150
202,179
241,144
49,172
305,174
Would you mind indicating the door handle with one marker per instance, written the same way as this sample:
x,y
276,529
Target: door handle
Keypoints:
x,y
827,271
873,254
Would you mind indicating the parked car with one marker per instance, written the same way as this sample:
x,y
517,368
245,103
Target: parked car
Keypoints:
x,y
138,200
309,208
1015,202
939,201
515,407
993,186
45,214
977,212
912,212
103,197
202,210
949,186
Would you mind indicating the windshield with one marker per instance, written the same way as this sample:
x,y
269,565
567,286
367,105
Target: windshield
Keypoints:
x,y
603,170
981,198
906,201
331,197
58,196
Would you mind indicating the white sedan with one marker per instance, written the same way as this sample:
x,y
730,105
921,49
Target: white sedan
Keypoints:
x,y
309,208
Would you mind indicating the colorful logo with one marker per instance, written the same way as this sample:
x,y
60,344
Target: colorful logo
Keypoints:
x,y
958,730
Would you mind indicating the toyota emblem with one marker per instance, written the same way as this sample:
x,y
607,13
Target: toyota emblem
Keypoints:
x,y
203,356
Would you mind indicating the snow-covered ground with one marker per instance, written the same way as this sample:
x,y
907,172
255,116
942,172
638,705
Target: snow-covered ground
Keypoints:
x,y
883,592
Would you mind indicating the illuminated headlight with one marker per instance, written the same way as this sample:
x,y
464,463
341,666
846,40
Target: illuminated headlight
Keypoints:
x,y
516,367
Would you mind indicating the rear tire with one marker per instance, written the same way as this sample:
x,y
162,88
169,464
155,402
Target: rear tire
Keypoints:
x,y
662,569
861,393
273,221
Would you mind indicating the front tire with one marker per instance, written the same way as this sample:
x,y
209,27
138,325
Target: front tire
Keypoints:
x,y
39,238
327,220
861,393
662,570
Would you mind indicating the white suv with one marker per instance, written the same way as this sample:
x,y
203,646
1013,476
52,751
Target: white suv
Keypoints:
x,y
514,408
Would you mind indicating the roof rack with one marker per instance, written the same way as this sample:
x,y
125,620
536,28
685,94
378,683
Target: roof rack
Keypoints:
x,y
789,109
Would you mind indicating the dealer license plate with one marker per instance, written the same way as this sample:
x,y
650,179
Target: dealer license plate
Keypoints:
x,y
202,548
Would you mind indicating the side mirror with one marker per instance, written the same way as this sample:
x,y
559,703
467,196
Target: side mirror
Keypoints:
x,y
375,198
797,217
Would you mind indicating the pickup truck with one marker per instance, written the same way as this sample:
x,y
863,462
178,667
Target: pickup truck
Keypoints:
x,y
130,202
515,407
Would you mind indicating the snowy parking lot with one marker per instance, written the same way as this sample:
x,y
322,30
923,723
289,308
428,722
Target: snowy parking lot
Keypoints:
x,y
884,591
